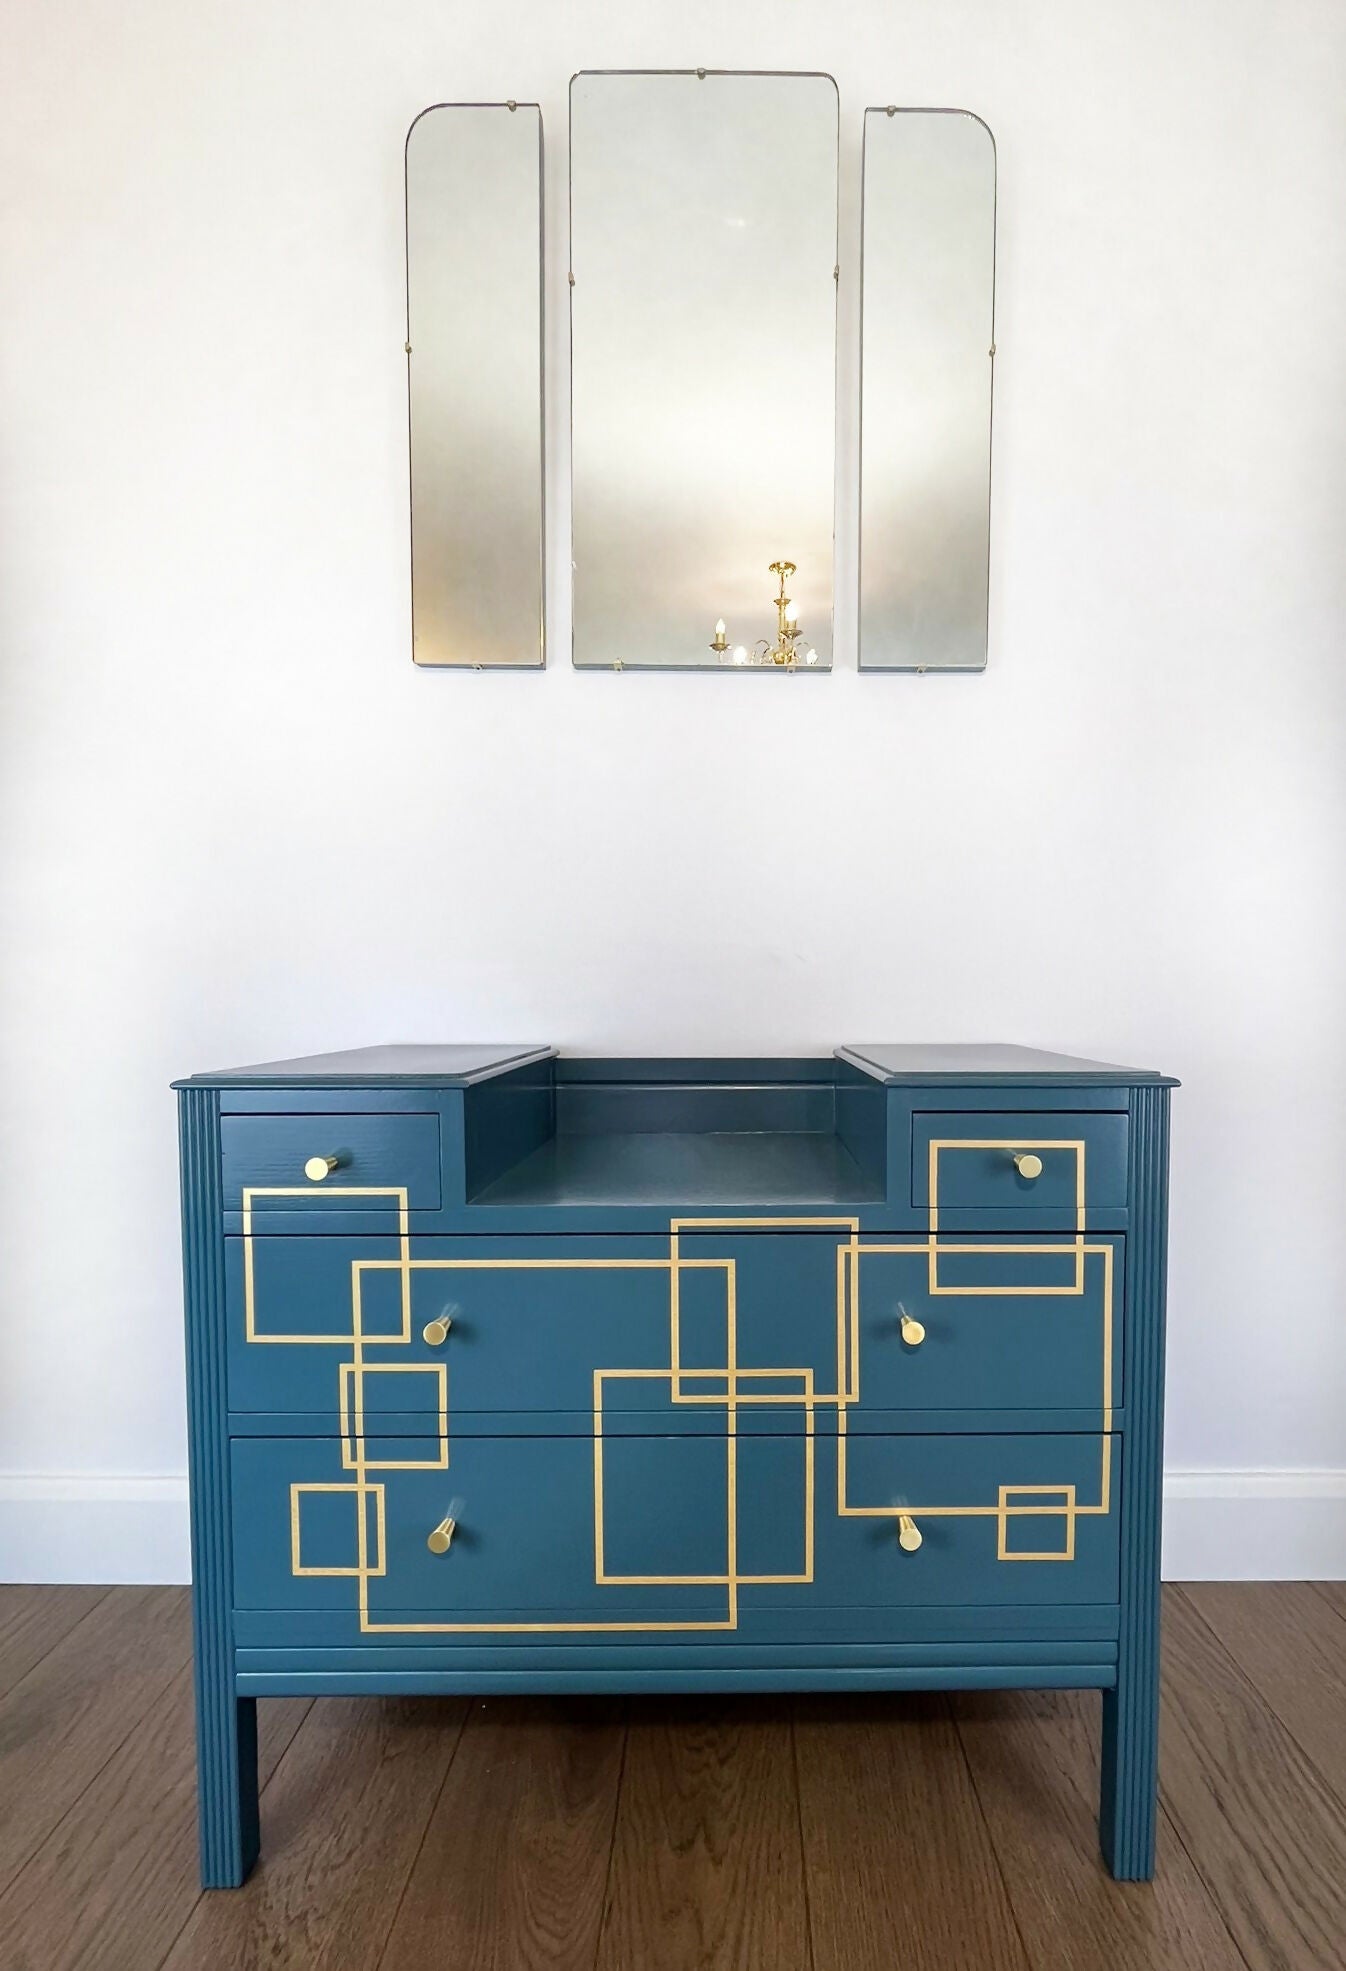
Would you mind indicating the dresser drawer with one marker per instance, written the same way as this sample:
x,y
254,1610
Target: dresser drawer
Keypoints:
x,y
281,1160
658,1534
1035,1161
481,1327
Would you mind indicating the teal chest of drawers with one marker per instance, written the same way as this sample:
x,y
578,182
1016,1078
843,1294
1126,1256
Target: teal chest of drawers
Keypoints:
x,y
509,1371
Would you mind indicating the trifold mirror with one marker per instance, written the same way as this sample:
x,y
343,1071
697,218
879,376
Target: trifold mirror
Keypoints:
x,y
474,366
927,348
703,218
703,301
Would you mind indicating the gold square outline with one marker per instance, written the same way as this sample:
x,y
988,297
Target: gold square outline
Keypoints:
x,y
362,1570
355,1433
938,1143
396,1192
1067,1510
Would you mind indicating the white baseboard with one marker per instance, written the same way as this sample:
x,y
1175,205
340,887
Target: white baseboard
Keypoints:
x,y
1218,1526
1255,1526
93,1528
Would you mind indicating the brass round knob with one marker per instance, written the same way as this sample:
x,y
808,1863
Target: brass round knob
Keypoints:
x,y
913,1332
438,1541
437,1332
1028,1164
319,1167
908,1533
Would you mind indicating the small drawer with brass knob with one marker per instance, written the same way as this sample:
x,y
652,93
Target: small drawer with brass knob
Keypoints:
x,y
387,1162
1018,1160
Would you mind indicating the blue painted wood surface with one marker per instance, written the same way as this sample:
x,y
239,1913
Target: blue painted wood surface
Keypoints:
x,y
687,1653
578,1683
226,1724
268,1153
760,1420
687,1169
657,1528
1041,1629
404,1063
975,1167
528,1335
1131,1710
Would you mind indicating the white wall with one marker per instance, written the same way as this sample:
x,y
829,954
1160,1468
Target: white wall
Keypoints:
x,y
236,823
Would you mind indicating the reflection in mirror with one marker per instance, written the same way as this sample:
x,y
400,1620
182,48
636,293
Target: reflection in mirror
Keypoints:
x,y
474,365
928,327
703,354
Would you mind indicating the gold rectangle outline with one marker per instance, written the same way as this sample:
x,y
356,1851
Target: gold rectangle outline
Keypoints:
x,y
602,1578
1096,1248
938,1143
847,1511
804,1400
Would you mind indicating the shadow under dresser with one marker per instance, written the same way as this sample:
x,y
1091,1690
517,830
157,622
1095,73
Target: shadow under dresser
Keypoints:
x,y
510,1371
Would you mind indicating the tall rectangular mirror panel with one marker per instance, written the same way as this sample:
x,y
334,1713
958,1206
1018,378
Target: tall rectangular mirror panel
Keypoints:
x,y
927,346
703,350
474,364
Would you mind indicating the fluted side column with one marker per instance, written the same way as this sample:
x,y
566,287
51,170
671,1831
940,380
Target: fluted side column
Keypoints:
x,y
226,1726
1131,1711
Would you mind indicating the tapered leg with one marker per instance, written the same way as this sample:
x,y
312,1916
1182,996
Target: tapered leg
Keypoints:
x,y
1126,1814
226,1766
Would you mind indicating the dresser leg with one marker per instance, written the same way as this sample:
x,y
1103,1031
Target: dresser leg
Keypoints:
x,y
226,1762
1131,1711
1126,1812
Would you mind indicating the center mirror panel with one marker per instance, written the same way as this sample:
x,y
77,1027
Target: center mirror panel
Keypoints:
x,y
703,352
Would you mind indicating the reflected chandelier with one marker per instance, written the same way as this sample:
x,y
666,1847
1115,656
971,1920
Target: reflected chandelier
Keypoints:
x,y
782,653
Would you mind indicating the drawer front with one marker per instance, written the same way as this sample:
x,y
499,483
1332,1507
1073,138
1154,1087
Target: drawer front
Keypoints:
x,y
652,1535
980,1324
985,1161
529,1324
344,1328
381,1160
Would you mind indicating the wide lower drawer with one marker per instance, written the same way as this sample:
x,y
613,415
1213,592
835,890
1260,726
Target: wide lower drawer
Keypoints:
x,y
346,1328
664,1533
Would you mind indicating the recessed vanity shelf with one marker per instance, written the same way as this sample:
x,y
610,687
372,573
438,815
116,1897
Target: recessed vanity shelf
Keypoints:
x,y
514,1371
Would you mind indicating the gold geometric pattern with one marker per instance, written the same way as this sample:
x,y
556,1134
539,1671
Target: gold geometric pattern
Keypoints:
x,y
729,1386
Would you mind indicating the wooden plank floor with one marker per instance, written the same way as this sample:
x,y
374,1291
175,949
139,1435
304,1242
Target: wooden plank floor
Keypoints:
x,y
675,1834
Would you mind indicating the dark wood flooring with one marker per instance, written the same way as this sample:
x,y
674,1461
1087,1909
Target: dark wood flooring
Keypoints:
x,y
670,1834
